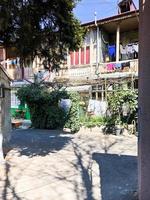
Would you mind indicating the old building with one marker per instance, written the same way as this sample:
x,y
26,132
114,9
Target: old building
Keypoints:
x,y
5,122
108,58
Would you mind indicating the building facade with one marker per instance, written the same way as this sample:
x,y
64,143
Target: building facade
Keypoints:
x,y
106,61
108,57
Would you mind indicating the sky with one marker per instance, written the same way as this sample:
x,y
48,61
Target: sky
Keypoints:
x,y
85,9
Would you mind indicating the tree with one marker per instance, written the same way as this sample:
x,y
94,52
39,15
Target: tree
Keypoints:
x,y
46,28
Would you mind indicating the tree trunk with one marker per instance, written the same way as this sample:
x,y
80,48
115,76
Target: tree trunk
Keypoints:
x,y
144,101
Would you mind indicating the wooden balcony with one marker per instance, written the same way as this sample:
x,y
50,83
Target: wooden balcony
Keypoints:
x,y
87,72
121,67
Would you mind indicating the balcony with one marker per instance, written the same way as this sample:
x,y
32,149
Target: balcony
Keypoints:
x,y
80,72
104,70
130,66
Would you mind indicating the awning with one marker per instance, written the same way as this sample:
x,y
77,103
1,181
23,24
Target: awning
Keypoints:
x,y
19,83
83,88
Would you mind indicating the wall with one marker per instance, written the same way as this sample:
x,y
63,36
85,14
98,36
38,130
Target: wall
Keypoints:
x,y
129,37
5,122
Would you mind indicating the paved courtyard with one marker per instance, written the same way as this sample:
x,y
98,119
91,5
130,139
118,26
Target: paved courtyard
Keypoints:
x,y
52,165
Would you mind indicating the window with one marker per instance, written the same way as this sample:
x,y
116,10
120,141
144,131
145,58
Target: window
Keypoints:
x,y
14,100
2,94
87,55
93,95
87,38
94,36
99,87
1,54
82,56
72,58
77,57
99,95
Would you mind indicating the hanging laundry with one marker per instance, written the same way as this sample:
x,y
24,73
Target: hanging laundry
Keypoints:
x,y
125,66
136,50
123,51
135,55
118,66
112,52
136,47
96,107
130,51
110,67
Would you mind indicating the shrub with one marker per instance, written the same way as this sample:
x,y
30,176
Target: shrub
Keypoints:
x,y
92,121
116,102
72,118
45,110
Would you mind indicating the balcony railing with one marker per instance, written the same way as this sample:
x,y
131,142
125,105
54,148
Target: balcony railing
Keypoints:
x,y
92,72
121,66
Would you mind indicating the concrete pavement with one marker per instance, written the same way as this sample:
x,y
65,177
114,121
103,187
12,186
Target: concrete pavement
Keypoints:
x,y
52,165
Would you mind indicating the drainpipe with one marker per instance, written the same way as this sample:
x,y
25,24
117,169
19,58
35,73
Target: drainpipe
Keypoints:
x,y
97,45
117,42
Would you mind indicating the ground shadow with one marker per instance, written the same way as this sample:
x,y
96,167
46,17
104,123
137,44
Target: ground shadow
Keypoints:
x,y
38,142
8,190
85,171
118,176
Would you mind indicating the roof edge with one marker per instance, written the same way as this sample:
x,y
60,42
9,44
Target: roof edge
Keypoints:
x,y
111,18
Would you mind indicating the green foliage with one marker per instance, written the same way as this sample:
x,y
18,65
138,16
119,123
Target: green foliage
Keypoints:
x,y
45,110
73,120
92,121
43,27
118,99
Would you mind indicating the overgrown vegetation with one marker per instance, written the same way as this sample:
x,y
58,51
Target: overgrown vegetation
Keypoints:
x,y
46,28
45,109
92,121
123,105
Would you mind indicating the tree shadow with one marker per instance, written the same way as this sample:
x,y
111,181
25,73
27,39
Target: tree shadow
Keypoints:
x,y
85,171
38,142
118,176
8,190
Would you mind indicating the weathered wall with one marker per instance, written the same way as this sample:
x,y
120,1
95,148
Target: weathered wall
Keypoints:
x,y
129,37
125,37
5,119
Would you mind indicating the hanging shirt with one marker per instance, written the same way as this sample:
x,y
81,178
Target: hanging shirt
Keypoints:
x,y
112,50
110,67
130,48
123,49
118,66
136,47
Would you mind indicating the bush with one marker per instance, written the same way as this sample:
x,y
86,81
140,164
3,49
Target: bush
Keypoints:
x,y
92,121
72,119
45,110
116,102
